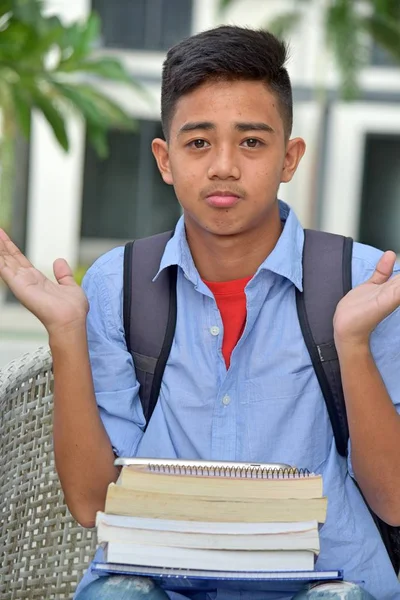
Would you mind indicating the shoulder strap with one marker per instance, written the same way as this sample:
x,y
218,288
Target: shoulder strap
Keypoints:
x,y
149,310
326,279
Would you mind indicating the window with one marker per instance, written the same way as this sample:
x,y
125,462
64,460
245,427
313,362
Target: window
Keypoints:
x,y
380,200
144,24
124,196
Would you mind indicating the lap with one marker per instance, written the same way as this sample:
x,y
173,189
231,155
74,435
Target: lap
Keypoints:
x,y
334,591
118,587
121,587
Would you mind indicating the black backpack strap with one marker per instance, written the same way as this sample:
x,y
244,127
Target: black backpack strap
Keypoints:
x,y
149,311
326,279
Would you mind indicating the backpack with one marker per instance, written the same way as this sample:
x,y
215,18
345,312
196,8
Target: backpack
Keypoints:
x,y
149,313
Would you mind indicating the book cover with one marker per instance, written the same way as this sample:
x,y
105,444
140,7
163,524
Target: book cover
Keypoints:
x,y
218,560
183,580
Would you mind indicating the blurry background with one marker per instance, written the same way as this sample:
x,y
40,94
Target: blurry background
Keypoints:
x,y
345,71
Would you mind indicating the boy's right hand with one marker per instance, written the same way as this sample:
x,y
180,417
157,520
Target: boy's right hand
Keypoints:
x,y
60,306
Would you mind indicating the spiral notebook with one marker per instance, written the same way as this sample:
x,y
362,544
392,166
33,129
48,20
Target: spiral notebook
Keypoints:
x,y
215,468
182,580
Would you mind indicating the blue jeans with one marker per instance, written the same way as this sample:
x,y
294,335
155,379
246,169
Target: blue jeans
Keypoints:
x,y
118,587
334,591
122,587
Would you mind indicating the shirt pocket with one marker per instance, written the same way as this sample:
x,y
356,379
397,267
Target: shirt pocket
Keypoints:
x,y
286,421
289,386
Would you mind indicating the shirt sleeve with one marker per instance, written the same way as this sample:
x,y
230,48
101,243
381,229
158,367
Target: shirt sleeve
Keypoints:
x,y
115,383
385,339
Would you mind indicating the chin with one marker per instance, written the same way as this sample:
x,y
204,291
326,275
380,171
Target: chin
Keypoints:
x,y
225,225
226,231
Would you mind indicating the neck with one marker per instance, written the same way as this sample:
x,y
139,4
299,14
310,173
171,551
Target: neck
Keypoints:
x,y
226,258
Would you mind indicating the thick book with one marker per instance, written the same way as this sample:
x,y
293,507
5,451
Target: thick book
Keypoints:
x,y
216,492
125,501
182,580
218,560
206,535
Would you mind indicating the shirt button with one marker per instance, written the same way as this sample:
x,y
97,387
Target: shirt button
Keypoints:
x,y
214,330
226,400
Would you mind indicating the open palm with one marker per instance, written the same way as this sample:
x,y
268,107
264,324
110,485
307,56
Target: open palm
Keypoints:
x,y
57,305
365,306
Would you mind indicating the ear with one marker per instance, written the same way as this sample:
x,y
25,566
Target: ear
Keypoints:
x,y
161,154
295,149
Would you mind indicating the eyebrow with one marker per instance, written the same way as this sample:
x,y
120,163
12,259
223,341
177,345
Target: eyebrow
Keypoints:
x,y
240,126
254,127
195,125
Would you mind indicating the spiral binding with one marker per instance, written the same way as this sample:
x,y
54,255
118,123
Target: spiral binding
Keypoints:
x,y
232,472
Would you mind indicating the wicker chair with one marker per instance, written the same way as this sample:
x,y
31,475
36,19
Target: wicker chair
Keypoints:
x,y
43,551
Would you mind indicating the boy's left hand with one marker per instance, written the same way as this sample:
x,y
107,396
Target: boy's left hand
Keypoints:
x,y
365,306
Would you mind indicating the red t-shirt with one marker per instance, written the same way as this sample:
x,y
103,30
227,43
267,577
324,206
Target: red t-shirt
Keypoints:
x,y
231,302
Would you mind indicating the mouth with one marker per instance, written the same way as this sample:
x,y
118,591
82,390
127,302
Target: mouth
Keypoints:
x,y
220,199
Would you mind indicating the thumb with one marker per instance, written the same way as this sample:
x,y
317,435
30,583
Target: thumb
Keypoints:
x,y
384,268
63,272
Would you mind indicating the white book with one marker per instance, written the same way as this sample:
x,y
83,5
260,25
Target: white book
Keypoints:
x,y
208,535
217,560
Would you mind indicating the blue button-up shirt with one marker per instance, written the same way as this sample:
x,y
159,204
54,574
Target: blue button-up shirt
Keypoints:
x,y
276,411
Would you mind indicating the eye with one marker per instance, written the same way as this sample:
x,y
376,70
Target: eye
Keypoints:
x,y
198,144
252,143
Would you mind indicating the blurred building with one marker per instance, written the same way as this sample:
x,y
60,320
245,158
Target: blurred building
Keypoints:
x,y
77,206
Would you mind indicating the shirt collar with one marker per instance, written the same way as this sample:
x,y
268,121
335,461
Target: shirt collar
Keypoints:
x,y
284,260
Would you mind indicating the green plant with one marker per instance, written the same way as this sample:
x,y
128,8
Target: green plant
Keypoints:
x,y
50,66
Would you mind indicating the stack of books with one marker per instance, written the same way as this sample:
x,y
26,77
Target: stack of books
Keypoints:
x,y
212,519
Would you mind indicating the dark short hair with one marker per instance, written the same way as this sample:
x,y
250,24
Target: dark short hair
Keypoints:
x,y
226,53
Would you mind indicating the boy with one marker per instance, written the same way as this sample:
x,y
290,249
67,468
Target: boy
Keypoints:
x,y
239,383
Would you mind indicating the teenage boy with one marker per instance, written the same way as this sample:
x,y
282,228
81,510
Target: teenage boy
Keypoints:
x,y
239,383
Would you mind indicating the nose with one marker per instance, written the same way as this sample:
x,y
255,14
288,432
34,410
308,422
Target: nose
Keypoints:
x,y
224,165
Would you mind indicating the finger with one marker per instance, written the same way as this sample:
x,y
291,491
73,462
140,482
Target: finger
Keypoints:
x,y
384,268
10,252
63,272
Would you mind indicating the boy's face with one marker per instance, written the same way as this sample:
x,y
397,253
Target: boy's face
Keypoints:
x,y
227,155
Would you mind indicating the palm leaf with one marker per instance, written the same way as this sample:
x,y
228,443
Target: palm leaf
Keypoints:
x,y
40,45
89,34
94,106
284,24
98,138
27,81
113,113
5,6
74,94
385,32
343,29
52,115
104,67
389,9
79,41
13,40
28,11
